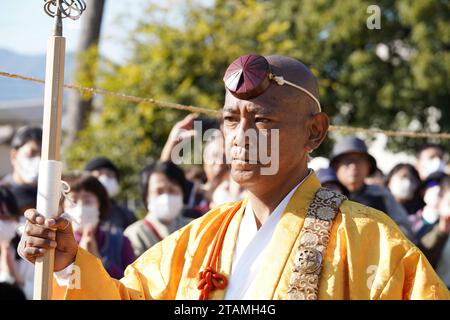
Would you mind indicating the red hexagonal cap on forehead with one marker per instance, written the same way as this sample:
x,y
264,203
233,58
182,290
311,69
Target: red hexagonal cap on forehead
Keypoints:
x,y
248,76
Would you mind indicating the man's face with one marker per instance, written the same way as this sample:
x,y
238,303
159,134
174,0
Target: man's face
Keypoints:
x,y
352,169
260,135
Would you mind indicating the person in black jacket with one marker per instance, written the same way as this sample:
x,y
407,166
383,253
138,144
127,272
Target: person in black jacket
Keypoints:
x,y
353,164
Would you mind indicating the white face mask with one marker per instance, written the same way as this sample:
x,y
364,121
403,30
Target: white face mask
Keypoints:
x,y
7,230
433,165
29,168
402,188
84,216
430,215
111,185
165,207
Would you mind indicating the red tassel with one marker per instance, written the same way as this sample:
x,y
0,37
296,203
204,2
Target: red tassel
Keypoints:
x,y
210,280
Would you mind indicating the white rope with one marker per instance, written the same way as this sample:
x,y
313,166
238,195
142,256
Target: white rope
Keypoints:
x,y
281,81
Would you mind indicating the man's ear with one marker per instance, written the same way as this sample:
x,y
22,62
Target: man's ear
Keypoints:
x,y
317,125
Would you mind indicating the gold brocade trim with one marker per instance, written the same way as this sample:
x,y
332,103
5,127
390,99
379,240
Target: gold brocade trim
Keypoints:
x,y
314,238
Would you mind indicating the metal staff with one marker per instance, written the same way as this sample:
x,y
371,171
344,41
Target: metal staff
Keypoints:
x,y
49,182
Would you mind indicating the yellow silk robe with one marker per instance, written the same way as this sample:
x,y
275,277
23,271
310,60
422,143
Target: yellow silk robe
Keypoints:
x,y
367,258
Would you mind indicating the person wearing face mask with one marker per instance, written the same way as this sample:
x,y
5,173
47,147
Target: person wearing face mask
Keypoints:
x,y
427,217
87,205
430,159
13,269
404,183
435,243
25,158
163,186
108,174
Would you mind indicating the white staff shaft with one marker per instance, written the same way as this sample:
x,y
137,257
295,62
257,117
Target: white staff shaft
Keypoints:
x,y
51,141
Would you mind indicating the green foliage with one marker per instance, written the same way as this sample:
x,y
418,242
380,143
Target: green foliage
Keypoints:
x,y
182,59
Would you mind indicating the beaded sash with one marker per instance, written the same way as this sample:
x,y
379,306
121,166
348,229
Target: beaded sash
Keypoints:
x,y
314,237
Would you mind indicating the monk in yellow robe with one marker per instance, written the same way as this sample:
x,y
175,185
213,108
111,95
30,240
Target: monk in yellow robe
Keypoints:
x,y
258,248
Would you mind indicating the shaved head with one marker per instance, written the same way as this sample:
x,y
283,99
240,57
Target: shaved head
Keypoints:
x,y
283,109
294,71
299,74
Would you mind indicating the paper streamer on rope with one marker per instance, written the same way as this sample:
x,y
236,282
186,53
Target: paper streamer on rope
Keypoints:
x,y
49,188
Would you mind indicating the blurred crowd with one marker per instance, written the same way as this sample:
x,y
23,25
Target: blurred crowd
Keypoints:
x,y
415,195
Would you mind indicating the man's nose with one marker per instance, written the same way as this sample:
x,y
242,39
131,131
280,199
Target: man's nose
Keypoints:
x,y
241,138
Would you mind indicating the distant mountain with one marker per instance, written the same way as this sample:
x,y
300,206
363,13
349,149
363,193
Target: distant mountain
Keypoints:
x,y
27,65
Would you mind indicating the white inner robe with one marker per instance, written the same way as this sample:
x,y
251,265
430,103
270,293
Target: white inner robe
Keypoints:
x,y
250,245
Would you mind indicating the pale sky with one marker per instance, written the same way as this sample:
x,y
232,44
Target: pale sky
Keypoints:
x,y
24,26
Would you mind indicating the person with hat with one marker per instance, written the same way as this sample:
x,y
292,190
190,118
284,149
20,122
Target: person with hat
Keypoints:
x,y
107,173
289,238
353,164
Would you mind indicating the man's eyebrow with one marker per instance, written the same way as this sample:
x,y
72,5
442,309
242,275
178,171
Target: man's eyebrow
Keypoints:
x,y
259,110
230,109
252,109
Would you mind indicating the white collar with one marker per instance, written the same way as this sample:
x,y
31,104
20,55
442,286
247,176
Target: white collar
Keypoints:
x,y
250,245
248,228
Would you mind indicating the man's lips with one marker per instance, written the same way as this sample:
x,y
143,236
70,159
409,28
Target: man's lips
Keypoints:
x,y
243,162
242,156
